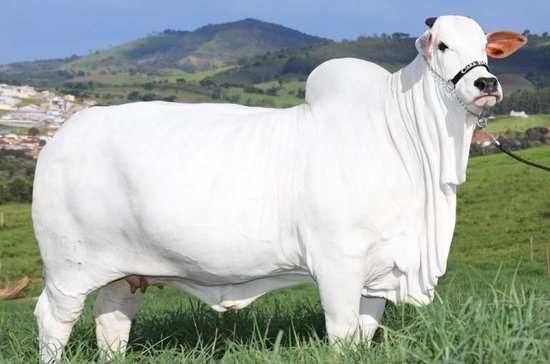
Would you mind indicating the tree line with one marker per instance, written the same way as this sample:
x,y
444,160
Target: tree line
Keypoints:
x,y
16,176
531,101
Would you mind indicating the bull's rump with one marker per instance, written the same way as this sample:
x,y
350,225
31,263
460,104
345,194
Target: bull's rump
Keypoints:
x,y
196,191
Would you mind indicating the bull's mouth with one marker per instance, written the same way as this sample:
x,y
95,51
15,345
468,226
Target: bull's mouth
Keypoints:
x,y
487,100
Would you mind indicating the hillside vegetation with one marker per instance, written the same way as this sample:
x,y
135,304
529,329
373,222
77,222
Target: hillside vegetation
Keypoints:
x,y
519,124
174,51
254,63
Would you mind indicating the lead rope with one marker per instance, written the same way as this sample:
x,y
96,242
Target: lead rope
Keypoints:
x,y
481,120
483,127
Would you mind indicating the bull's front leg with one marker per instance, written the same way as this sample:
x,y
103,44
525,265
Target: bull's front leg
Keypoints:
x,y
340,281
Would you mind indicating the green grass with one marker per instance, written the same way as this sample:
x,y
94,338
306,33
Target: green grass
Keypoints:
x,y
26,102
502,203
492,305
519,124
484,324
19,255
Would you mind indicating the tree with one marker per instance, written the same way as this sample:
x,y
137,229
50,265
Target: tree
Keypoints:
x,y
4,193
217,94
149,97
20,190
400,35
33,131
134,95
170,98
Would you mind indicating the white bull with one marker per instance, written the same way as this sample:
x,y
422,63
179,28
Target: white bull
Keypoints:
x,y
354,190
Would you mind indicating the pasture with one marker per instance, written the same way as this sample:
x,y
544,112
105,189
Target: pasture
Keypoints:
x,y
519,124
492,305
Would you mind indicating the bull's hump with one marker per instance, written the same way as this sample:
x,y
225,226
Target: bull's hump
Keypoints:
x,y
344,78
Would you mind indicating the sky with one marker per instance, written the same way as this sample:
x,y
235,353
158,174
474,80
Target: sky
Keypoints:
x,y
44,29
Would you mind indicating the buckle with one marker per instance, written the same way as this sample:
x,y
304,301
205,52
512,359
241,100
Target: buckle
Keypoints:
x,y
450,85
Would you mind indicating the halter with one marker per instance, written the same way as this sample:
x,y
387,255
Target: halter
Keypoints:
x,y
467,69
450,85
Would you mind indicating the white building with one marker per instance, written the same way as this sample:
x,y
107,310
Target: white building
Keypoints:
x,y
518,114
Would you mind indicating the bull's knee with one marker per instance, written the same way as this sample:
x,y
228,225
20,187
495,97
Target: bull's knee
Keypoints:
x,y
114,309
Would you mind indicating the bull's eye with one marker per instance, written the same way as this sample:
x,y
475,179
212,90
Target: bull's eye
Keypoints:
x,y
442,46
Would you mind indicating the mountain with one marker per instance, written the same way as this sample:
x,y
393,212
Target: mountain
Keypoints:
x,y
208,47
170,51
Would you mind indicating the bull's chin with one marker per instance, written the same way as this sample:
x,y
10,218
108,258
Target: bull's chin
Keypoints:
x,y
486,101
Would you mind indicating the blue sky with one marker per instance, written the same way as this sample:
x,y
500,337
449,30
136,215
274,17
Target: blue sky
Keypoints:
x,y
42,29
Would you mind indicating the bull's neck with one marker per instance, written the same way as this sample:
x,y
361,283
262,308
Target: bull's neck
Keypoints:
x,y
434,134
433,116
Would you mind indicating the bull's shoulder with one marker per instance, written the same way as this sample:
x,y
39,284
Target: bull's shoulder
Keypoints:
x,y
344,78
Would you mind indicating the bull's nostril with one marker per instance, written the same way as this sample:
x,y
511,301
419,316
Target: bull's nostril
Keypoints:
x,y
486,84
492,83
480,84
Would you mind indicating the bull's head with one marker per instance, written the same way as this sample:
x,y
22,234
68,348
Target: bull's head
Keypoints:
x,y
457,49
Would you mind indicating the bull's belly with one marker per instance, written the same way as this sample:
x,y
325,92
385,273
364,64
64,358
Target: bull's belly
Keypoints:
x,y
215,253
233,296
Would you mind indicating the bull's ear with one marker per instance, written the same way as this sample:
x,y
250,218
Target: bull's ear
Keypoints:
x,y
424,45
503,43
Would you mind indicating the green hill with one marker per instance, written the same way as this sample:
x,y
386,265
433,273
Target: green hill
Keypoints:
x,y
171,52
519,124
523,70
208,47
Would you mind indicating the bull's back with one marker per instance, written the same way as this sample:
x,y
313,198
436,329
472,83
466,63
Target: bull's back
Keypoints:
x,y
196,189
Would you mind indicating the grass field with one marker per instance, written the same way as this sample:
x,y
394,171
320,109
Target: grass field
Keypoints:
x,y
492,305
519,124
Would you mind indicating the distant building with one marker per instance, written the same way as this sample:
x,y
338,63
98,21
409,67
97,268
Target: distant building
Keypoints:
x,y
518,114
6,107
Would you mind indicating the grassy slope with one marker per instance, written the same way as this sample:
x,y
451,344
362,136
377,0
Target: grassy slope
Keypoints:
x,y
502,203
19,255
500,206
519,124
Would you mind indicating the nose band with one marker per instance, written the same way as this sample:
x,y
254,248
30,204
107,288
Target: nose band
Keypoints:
x,y
467,69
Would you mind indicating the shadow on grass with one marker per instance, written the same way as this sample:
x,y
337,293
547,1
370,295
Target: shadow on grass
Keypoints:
x,y
194,325
179,323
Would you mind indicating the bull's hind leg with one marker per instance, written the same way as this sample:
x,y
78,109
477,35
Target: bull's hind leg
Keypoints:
x,y
114,310
56,313
372,309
